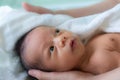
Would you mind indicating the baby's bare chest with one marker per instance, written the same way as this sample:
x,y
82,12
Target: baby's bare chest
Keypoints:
x,y
106,52
106,42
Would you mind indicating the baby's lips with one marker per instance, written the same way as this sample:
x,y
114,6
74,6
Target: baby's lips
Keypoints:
x,y
72,44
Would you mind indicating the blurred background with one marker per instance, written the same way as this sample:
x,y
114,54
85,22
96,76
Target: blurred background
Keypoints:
x,y
53,4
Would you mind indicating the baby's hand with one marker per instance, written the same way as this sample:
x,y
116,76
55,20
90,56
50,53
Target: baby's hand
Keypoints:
x,y
36,9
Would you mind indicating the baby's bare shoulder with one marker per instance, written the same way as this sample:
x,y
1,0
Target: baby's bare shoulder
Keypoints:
x,y
106,49
106,41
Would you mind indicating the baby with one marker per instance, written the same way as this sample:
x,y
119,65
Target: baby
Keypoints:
x,y
51,49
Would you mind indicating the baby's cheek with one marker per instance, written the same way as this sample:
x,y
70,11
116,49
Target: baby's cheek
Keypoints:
x,y
68,64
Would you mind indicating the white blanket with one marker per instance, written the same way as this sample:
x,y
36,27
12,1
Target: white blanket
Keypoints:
x,y
10,69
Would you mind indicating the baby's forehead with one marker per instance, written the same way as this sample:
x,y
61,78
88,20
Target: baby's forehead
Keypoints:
x,y
34,40
44,28
39,35
41,29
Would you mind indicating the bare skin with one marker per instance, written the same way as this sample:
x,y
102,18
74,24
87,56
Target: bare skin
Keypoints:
x,y
75,75
75,12
106,53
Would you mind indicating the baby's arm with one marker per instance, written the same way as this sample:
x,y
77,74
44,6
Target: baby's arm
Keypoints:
x,y
77,12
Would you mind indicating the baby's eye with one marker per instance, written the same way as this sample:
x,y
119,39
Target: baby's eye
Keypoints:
x,y
51,49
57,31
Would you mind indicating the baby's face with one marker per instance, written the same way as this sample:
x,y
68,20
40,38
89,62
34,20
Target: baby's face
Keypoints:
x,y
55,49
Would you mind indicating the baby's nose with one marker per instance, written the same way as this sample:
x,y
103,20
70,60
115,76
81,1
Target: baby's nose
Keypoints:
x,y
60,41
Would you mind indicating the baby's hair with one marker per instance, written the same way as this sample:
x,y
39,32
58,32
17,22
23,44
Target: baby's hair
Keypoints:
x,y
19,49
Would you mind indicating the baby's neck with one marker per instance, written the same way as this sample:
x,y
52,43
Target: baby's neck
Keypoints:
x,y
84,61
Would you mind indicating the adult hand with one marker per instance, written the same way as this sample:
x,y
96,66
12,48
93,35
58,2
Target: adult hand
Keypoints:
x,y
69,75
36,9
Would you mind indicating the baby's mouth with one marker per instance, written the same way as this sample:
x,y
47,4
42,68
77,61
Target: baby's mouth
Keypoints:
x,y
72,43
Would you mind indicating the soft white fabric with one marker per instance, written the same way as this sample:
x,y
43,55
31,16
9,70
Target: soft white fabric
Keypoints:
x,y
13,24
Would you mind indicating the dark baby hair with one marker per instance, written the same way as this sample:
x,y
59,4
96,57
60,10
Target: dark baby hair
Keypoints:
x,y
19,49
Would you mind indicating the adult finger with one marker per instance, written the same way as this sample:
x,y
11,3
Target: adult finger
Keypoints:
x,y
42,75
31,8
